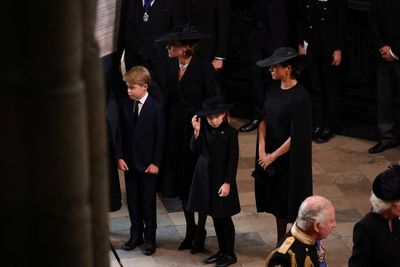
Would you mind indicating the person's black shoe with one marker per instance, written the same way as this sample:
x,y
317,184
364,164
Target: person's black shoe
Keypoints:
x,y
325,136
251,126
188,241
149,249
379,147
199,239
214,258
226,260
185,244
132,244
316,133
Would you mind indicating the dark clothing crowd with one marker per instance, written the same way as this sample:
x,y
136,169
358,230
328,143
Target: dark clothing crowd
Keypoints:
x,y
169,130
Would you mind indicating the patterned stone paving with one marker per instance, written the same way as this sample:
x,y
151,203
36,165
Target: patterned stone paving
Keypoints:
x,y
342,170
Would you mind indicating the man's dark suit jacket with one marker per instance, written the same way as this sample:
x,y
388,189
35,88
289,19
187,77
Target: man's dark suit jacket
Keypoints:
x,y
137,37
322,25
384,24
142,143
271,18
211,17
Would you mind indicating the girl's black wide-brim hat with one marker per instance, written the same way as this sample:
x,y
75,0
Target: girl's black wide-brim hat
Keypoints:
x,y
386,185
280,55
213,105
182,32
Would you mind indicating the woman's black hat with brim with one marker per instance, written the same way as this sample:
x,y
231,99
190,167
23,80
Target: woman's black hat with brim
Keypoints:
x,y
386,185
280,55
213,105
182,32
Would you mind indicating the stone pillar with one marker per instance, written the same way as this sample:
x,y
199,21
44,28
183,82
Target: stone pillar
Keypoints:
x,y
52,166
95,100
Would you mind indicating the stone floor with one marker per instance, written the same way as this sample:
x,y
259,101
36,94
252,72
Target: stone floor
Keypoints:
x,y
343,172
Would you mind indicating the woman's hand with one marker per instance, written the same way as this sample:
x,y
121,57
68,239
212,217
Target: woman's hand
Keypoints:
x,y
224,190
265,160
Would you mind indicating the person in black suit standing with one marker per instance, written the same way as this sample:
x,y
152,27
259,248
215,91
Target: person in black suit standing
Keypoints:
x,y
269,31
321,35
211,17
142,21
139,151
384,24
190,80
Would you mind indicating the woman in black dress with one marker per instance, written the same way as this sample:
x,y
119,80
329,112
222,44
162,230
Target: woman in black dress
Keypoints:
x,y
376,237
283,167
190,80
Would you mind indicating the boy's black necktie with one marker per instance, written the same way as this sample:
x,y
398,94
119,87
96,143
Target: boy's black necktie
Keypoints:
x,y
135,111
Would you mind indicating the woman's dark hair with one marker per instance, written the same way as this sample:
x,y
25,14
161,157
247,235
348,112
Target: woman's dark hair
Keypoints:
x,y
193,46
297,65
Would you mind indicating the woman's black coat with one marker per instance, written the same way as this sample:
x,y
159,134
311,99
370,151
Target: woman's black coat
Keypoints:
x,y
183,100
374,244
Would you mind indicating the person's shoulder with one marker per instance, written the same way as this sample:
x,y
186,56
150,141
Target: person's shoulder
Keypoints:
x,y
200,62
301,93
286,245
154,103
281,255
370,222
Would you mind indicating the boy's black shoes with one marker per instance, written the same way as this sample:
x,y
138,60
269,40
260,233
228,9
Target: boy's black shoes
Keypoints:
x,y
226,260
132,244
214,258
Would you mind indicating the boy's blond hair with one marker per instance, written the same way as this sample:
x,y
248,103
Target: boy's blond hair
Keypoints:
x,y
138,75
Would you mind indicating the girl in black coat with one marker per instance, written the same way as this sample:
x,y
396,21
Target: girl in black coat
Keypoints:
x,y
214,189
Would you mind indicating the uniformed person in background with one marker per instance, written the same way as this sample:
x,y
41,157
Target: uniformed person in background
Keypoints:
x,y
142,21
321,34
302,246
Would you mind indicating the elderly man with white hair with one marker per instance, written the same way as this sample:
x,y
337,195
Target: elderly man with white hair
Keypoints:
x,y
301,246
376,237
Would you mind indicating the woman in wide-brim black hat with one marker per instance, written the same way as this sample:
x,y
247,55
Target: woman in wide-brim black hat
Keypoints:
x,y
283,166
376,237
190,80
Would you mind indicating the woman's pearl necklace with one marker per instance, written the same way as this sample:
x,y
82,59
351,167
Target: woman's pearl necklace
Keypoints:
x,y
183,66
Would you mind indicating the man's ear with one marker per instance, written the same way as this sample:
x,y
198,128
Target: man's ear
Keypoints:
x,y
316,226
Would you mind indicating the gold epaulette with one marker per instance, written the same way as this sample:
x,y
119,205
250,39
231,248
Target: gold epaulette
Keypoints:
x,y
286,245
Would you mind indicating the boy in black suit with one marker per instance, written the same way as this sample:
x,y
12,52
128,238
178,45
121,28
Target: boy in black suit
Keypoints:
x,y
139,151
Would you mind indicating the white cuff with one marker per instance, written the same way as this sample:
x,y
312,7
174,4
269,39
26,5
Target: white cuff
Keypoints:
x,y
393,55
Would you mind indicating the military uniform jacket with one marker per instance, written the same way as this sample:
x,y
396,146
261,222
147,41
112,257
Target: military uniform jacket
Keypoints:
x,y
296,249
322,24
